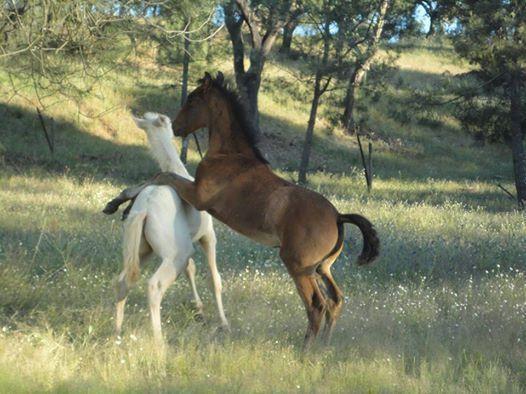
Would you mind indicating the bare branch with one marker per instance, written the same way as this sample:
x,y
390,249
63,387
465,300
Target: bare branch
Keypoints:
x,y
251,22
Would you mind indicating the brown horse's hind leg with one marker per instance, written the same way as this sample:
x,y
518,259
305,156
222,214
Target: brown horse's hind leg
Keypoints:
x,y
315,305
334,304
333,295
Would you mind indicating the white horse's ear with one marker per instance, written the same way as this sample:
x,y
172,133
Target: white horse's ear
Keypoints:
x,y
166,120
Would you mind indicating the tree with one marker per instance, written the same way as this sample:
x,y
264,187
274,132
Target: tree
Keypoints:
x,y
434,10
365,49
40,39
264,19
63,48
321,82
288,32
187,15
290,27
491,35
335,26
369,24
184,82
348,33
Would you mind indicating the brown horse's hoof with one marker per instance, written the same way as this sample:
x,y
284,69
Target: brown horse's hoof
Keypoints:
x,y
223,329
111,207
199,317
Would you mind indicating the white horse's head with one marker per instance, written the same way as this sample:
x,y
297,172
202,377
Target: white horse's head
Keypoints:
x,y
155,125
158,128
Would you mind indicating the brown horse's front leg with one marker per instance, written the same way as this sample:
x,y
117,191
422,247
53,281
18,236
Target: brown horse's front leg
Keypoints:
x,y
126,195
185,188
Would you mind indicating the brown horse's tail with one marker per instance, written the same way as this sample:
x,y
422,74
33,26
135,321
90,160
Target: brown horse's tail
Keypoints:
x,y
371,243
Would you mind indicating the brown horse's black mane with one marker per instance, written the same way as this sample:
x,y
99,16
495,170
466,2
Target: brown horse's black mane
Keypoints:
x,y
246,126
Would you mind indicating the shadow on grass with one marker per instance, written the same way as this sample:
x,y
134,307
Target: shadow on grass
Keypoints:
x,y
77,153
333,158
83,155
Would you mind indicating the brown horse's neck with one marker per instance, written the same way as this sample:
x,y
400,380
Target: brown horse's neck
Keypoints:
x,y
225,129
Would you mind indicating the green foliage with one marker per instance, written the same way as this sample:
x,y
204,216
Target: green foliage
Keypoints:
x,y
192,16
490,34
61,47
65,48
486,117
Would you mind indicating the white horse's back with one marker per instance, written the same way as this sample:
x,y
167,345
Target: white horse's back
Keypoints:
x,y
165,208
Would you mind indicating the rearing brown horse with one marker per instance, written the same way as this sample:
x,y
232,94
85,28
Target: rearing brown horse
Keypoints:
x,y
235,184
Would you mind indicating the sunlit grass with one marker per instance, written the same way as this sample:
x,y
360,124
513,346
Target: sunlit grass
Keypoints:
x,y
442,310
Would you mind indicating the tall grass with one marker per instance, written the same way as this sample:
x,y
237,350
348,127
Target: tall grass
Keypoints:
x,y
442,310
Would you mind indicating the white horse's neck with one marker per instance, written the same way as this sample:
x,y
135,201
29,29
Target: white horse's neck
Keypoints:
x,y
164,152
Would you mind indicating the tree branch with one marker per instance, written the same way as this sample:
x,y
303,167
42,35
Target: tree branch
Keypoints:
x,y
252,23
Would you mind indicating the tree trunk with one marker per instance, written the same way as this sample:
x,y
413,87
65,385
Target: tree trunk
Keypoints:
x,y
517,145
233,26
431,31
355,81
348,103
249,81
251,91
318,91
288,32
248,85
307,145
184,87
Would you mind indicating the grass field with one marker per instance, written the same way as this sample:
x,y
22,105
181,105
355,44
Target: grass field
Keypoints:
x,y
442,310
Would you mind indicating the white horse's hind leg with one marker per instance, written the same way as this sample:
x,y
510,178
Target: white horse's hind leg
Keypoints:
x,y
122,288
208,243
122,293
190,273
157,286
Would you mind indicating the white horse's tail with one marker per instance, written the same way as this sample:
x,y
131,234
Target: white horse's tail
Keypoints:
x,y
131,243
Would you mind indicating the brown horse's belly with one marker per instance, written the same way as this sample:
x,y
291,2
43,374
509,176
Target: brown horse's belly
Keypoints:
x,y
264,238
247,228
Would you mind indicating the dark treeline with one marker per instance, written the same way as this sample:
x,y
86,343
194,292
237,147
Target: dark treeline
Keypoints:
x,y
339,39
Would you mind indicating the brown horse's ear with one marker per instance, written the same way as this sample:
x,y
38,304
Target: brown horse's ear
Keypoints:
x,y
220,77
207,79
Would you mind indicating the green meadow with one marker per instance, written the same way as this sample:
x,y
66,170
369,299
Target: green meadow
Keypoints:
x,y
442,310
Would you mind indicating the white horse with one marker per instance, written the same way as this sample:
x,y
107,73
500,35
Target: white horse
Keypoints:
x,y
162,223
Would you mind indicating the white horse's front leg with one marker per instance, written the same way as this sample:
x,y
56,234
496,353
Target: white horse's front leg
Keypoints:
x,y
208,243
190,273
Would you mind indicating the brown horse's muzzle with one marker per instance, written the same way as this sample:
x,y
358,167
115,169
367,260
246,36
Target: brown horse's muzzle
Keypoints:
x,y
177,130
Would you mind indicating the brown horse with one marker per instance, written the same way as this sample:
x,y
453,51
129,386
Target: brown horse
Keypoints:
x,y
235,184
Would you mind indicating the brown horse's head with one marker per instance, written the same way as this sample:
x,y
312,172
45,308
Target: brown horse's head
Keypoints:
x,y
194,113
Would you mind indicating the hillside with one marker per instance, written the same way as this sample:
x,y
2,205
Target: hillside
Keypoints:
x,y
442,310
